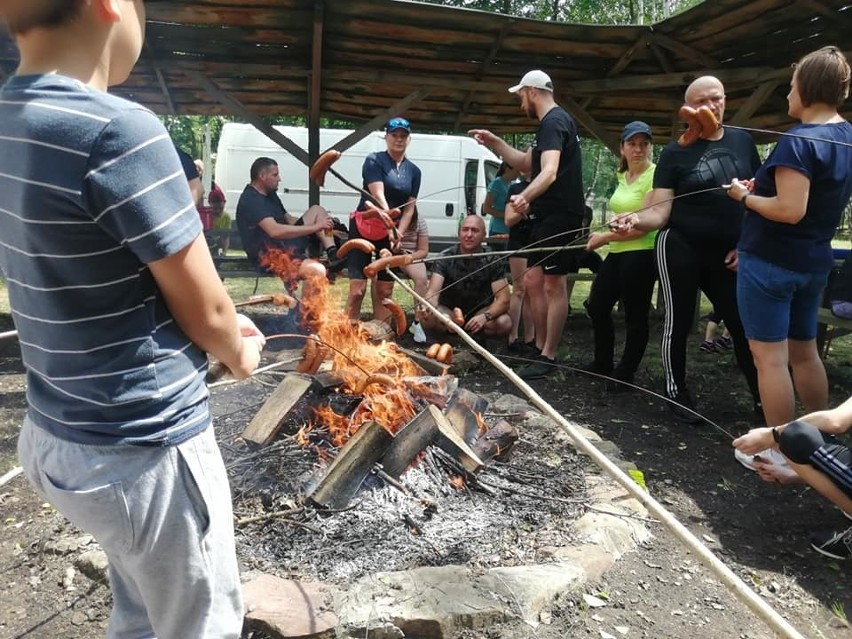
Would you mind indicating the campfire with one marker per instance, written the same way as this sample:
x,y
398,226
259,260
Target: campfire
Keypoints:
x,y
369,407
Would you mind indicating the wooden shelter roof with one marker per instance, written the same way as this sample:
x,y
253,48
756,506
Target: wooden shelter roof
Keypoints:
x,y
448,69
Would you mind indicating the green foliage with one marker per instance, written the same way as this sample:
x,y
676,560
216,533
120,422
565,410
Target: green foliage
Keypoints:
x,y
581,11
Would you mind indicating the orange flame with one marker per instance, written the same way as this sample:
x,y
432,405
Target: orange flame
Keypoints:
x,y
354,356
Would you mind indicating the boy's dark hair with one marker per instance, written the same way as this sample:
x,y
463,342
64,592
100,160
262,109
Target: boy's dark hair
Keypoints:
x,y
31,14
259,165
822,77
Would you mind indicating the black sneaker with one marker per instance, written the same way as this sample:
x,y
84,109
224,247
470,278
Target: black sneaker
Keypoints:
x,y
620,382
541,367
520,348
683,408
836,545
596,368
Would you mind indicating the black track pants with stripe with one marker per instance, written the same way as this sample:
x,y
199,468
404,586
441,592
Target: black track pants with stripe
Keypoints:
x,y
683,270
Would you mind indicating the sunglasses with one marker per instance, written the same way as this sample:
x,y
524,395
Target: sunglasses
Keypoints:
x,y
398,123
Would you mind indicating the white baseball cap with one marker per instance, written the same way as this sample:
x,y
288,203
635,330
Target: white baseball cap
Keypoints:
x,y
536,79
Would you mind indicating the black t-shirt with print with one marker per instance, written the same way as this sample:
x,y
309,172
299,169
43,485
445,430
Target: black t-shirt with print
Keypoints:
x,y
710,218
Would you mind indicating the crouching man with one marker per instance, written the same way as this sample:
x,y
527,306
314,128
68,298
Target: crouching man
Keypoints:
x,y
475,285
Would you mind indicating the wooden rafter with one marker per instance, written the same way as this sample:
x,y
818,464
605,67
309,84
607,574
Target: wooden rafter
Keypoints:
x,y
238,108
817,6
755,100
625,59
483,67
682,50
662,58
161,82
377,121
583,117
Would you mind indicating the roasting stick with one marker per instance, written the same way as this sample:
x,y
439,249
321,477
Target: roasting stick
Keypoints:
x,y
745,594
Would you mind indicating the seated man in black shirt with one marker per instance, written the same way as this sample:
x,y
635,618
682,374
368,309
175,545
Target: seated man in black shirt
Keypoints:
x,y
475,285
264,224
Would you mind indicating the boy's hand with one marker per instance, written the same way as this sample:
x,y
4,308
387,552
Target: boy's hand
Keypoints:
x,y
252,346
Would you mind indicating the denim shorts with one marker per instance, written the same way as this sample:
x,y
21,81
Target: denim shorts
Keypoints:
x,y
775,303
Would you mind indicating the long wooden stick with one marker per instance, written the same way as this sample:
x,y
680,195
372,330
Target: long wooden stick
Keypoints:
x,y
731,581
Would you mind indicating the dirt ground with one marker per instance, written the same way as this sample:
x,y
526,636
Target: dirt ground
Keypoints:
x,y
759,530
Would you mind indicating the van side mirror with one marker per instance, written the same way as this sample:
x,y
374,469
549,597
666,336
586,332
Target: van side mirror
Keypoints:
x,y
448,209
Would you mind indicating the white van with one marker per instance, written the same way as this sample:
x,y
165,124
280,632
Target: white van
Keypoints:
x,y
455,173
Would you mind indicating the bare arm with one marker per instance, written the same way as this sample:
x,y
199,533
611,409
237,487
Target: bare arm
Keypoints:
x,y
521,160
790,202
197,190
547,176
658,215
488,206
407,214
202,308
422,249
500,304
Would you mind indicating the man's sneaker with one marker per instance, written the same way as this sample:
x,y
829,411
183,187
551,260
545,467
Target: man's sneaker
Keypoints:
x,y
520,348
541,367
620,382
769,456
683,408
419,334
724,343
837,545
708,347
597,368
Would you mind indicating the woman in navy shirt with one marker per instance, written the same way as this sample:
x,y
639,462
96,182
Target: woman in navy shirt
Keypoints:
x,y
394,181
792,210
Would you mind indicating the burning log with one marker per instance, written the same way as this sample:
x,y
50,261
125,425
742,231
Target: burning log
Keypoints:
x,y
463,412
497,442
409,442
353,463
452,443
271,417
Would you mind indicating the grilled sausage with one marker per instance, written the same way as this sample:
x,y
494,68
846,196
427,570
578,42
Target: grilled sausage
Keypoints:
x,y
282,299
458,316
432,351
398,315
707,119
394,261
358,243
309,355
445,354
375,378
322,165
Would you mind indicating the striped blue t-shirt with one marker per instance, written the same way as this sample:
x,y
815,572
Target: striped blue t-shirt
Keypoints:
x,y
91,191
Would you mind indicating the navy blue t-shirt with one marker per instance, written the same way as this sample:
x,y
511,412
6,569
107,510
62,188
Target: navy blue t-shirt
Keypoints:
x,y
804,247
401,183
252,208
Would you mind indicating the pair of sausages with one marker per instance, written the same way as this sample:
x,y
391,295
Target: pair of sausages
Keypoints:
x,y
441,353
701,124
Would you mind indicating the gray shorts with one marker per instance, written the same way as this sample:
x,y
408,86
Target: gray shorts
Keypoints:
x,y
162,515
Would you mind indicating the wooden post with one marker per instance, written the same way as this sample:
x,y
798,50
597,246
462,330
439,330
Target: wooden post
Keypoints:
x,y
270,418
409,442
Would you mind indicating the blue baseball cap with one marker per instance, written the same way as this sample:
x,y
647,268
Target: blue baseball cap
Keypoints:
x,y
397,123
635,128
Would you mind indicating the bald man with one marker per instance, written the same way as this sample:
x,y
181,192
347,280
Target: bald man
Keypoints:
x,y
697,247
475,285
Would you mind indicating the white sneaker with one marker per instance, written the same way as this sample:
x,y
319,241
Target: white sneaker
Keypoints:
x,y
418,332
770,456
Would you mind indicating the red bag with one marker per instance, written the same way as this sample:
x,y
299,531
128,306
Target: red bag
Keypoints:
x,y
372,229
206,214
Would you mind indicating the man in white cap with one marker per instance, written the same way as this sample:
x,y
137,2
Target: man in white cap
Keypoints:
x,y
553,201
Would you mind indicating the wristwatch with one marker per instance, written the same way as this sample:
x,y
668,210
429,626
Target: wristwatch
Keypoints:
x,y
488,316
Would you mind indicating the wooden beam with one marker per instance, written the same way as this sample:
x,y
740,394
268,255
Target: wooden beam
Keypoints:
x,y
165,89
662,58
818,6
266,423
757,98
683,50
483,67
584,117
376,122
315,97
238,108
673,80
625,59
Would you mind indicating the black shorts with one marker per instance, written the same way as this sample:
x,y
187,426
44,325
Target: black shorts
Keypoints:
x,y
357,260
519,235
554,231
804,443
